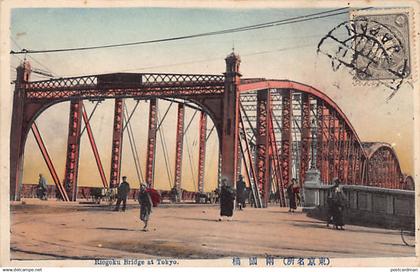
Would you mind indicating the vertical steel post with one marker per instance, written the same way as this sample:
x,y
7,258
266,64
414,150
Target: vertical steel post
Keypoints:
x,y
251,173
358,168
352,163
179,145
276,161
305,138
389,175
286,136
262,142
346,155
117,142
202,151
151,142
320,138
341,150
73,146
331,144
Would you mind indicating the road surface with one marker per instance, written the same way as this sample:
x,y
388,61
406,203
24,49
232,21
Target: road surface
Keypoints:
x,y
57,230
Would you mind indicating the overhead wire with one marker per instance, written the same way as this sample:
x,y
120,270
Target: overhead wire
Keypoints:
x,y
189,123
131,115
139,176
90,116
189,152
292,20
165,151
164,116
133,145
29,56
211,131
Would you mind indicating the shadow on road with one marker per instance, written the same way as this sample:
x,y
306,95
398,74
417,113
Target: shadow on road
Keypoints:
x,y
124,229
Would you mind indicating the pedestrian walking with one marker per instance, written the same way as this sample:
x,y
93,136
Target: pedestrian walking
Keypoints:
x,y
339,200
227,198
296,190
291,194
336,203
122,194
241,192
41,191
146,204
331,203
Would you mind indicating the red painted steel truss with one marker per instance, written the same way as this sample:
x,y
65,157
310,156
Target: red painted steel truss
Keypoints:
x,y
337,149
294,123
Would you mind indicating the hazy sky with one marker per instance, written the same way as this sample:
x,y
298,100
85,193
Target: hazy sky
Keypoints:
x,y
281,52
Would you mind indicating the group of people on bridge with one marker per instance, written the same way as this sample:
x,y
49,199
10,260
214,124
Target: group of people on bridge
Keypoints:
x,y
144,198
226,196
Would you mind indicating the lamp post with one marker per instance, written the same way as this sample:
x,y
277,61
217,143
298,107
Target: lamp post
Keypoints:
x,y
312,178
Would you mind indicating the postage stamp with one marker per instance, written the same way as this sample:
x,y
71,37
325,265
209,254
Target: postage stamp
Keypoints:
x,y
374,45
151,134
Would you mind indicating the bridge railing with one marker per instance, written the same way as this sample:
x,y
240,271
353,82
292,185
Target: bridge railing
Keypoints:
x,y
368,206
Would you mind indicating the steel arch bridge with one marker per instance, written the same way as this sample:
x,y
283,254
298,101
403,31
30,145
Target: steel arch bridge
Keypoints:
x,y
275,129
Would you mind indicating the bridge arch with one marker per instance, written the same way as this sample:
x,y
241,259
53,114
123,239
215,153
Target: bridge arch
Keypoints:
x,y
383,167
339,151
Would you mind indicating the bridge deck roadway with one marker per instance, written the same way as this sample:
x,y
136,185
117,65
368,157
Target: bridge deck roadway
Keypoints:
x,y
55,230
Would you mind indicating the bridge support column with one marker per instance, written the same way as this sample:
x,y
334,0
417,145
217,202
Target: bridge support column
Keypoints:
x,y
18,132
286,136
262,142
230,127
151,142
73,146
179,147
202,151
